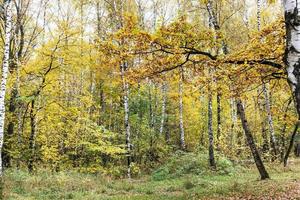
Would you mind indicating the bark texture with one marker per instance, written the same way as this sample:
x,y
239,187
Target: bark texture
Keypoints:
x,y
212,162
163,108
126,117
218,119
251,143
292,53
270,119
291,144
5,71
182,136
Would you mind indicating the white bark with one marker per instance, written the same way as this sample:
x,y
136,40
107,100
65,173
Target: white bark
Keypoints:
x,y
212,16
126,116
5,71
292,17
258,14
266,91
270,119
182,137
163,108
292,56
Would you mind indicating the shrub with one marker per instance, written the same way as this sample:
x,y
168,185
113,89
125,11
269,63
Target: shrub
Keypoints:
x,y
196,163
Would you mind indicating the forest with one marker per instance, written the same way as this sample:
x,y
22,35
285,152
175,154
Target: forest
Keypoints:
x,y
149,99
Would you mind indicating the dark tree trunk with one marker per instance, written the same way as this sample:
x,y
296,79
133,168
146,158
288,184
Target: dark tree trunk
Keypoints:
x,y
6,157
258,161
212,161
218,120
287,154
32,138
265,146
297,150
283,131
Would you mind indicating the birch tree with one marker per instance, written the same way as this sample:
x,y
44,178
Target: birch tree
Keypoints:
x,y
292,55
182,136
265,90
163,108
5,71
213,23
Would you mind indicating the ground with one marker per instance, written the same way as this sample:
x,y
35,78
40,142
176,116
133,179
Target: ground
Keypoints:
x,y
284,184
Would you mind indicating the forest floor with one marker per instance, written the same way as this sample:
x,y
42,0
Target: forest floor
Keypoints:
x,y
284,184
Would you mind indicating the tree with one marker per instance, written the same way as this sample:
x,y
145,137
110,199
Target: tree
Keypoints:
x,y
259,164
5,71
182,136
292,54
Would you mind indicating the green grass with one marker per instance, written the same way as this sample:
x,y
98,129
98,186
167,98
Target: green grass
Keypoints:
x,y
71,185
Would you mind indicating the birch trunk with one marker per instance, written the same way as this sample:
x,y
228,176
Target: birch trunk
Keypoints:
x,y
263,123
270,120
265,146
292,53
182,137
258,14
258,161
5,71
163,108
213,21
126,117
214,24
266,94
292,56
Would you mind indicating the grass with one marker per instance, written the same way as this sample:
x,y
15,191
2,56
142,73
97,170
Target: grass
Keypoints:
x,y
19,185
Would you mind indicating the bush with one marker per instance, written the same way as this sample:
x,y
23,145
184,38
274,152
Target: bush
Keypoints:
x,y
188,184
161,174
196,163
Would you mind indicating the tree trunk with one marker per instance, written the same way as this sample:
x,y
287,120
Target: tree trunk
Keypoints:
x,y
286,157
297,150
163,108
218,119
283,131
167,132
233,120
212,162
259,164
292,52
5,71
258,14
270,120
139,126
10,128
292,57
126,117
32,137
182,137
202,114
